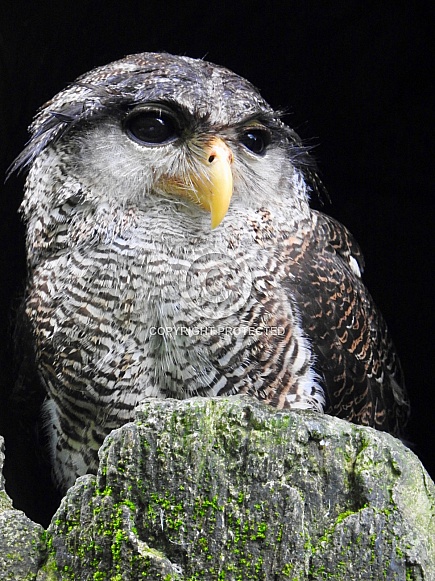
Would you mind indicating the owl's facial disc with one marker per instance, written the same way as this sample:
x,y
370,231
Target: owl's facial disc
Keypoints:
x,y
211,187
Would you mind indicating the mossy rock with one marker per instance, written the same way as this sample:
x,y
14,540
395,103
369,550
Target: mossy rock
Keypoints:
x,y
22,542
230,489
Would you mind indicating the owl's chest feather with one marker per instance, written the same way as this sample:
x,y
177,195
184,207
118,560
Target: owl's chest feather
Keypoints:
x,y
136,310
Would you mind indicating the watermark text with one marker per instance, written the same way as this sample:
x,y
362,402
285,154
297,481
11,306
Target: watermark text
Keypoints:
x,y
241,330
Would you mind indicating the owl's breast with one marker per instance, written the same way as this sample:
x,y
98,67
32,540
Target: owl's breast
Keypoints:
x,y
142,318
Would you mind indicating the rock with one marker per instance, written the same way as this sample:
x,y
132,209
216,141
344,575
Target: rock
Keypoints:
x,y
5,501
230,489
22,542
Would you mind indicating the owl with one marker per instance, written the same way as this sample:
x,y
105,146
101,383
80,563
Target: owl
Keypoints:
x,y
172,252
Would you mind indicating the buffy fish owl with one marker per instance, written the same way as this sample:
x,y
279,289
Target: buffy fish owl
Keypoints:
x,y
172,252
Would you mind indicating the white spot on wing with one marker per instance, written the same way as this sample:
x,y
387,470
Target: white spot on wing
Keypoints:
x,y
354,266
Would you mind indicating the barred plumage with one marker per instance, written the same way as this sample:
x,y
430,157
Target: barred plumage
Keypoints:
x,y
132,294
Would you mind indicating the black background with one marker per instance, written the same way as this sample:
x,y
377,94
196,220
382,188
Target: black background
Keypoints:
x,y
355,78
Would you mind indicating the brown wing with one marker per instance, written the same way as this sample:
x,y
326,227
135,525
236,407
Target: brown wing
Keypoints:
x,y
355,356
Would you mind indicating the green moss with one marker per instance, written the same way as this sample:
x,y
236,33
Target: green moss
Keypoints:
x,y
50,568
171,511
216,512
279,535
327,535
5,501
205,507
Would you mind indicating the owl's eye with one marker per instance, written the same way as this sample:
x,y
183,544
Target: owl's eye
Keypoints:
x,y
256,140
151,127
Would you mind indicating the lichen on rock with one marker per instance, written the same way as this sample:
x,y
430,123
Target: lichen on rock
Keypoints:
x,y
22,542
230,489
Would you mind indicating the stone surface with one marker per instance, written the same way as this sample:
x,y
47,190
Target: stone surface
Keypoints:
x,y
22,542
230,489
5,501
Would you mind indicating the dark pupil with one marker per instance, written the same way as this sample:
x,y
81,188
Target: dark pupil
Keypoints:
x,y
151,127
254,140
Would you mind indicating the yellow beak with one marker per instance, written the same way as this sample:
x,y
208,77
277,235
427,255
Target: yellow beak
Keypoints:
x,y
214,186
211,185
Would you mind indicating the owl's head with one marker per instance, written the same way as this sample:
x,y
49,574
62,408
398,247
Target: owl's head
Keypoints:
x,y
154,128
